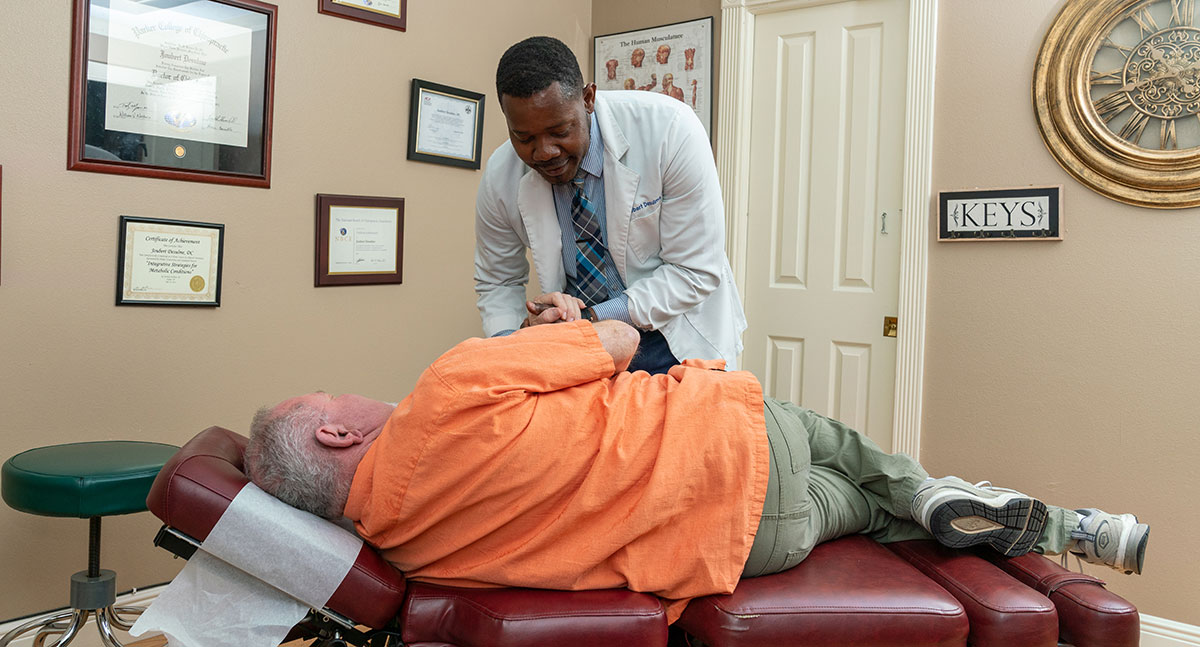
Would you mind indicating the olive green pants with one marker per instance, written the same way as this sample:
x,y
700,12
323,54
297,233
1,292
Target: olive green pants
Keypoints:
x,y
827,481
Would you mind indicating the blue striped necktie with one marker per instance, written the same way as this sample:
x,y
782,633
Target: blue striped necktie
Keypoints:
x,y
590,283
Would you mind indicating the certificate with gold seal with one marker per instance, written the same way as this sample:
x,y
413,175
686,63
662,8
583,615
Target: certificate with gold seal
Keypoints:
x,y
169,262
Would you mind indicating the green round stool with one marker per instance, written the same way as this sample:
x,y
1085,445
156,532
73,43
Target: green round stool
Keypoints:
x,y
84,480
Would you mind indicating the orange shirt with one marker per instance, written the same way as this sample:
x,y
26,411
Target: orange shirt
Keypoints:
x,y
521,461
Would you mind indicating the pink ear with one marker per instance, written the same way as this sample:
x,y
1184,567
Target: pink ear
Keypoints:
x,y
337,435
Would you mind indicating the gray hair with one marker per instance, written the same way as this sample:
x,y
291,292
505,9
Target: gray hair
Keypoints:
x,y
284,459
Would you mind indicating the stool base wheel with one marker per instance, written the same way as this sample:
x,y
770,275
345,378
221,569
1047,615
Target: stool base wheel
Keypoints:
x,y
66,626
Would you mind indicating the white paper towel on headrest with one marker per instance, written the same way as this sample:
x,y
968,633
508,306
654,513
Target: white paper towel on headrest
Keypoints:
x,y
212,604
263,565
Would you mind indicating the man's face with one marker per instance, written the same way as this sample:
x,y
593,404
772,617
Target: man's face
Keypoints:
x,y
550,132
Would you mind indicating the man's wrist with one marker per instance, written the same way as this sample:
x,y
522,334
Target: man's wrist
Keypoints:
x,y
589,314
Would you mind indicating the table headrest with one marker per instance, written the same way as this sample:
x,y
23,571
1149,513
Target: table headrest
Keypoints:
x,y
198,483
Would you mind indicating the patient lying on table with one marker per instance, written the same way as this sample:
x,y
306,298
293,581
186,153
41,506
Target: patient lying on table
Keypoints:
x,y
534,460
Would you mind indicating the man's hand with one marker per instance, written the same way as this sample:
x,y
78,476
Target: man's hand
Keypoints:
x,y
552,308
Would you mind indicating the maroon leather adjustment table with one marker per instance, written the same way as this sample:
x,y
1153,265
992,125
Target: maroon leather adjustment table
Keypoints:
x,y
1088,614
849,592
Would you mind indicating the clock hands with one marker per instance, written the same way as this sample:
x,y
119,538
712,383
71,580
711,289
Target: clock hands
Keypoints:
x,y
1128,87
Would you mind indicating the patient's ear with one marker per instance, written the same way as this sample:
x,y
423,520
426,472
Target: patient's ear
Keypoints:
x,y
338,435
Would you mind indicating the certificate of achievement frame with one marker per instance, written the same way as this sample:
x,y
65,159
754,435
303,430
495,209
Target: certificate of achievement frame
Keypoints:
x,y
445,125
360,240
675,60
169,262
392,14
173,89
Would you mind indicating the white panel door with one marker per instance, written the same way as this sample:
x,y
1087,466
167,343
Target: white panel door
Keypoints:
x,y
826,164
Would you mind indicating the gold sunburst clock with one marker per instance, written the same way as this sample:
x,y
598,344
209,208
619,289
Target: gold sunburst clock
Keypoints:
x,y
1116,91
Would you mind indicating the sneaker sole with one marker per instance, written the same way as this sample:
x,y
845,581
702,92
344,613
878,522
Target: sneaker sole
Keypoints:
x,y
1010,528
1141,548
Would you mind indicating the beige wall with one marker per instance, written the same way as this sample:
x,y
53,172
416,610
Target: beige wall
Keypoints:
x,y
1067,369
75,367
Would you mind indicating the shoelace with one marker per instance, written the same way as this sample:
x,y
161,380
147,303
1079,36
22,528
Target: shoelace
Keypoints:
x,y
1062,559
988,485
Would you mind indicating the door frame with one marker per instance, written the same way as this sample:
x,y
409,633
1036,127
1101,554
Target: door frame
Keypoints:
x,y
733,167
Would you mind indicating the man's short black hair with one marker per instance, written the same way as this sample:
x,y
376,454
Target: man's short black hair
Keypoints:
x,y
534,64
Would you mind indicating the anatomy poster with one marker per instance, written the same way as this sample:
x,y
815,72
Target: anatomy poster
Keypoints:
x,y
675,60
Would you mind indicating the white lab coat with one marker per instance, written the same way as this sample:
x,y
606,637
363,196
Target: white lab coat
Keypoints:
x,y
665,225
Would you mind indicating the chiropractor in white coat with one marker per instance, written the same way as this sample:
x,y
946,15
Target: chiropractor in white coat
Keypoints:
x,y
636,164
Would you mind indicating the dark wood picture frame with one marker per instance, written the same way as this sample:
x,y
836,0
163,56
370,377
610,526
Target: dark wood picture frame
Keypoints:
x,y
93,147
123,259
361,14
421,92
323,276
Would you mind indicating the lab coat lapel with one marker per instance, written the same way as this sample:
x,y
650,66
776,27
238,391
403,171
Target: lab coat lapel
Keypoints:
x,y
620,187
535,201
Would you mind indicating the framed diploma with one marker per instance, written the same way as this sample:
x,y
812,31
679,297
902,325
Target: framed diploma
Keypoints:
x,y
174,89
385,13
676,60
360,240
169,262
444,125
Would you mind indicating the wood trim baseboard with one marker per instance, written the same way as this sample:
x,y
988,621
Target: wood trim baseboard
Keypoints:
x,y
1160,632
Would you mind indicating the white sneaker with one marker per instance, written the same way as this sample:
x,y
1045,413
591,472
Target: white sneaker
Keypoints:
x,y
959,514
1115,540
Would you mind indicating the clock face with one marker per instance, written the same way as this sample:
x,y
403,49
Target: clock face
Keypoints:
x,y
1116,93
1145,75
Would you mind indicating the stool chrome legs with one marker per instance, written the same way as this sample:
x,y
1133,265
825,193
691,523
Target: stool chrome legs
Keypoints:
x,y
55,624
93,592
67,624
116,620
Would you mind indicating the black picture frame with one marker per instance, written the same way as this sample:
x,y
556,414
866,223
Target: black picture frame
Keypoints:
x,y
425,144
324,276
1026,213
155,255
208,121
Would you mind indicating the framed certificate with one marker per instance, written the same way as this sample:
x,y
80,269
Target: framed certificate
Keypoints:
x,y
444,125
175,89
169,262
675,60
360,240
385,13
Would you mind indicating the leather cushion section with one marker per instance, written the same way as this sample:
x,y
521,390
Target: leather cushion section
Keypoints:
x,y
1002,611
196,486
1088,614
438,615
92,479
849,592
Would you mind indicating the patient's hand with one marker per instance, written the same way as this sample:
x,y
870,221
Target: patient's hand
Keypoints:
x,y
552,308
